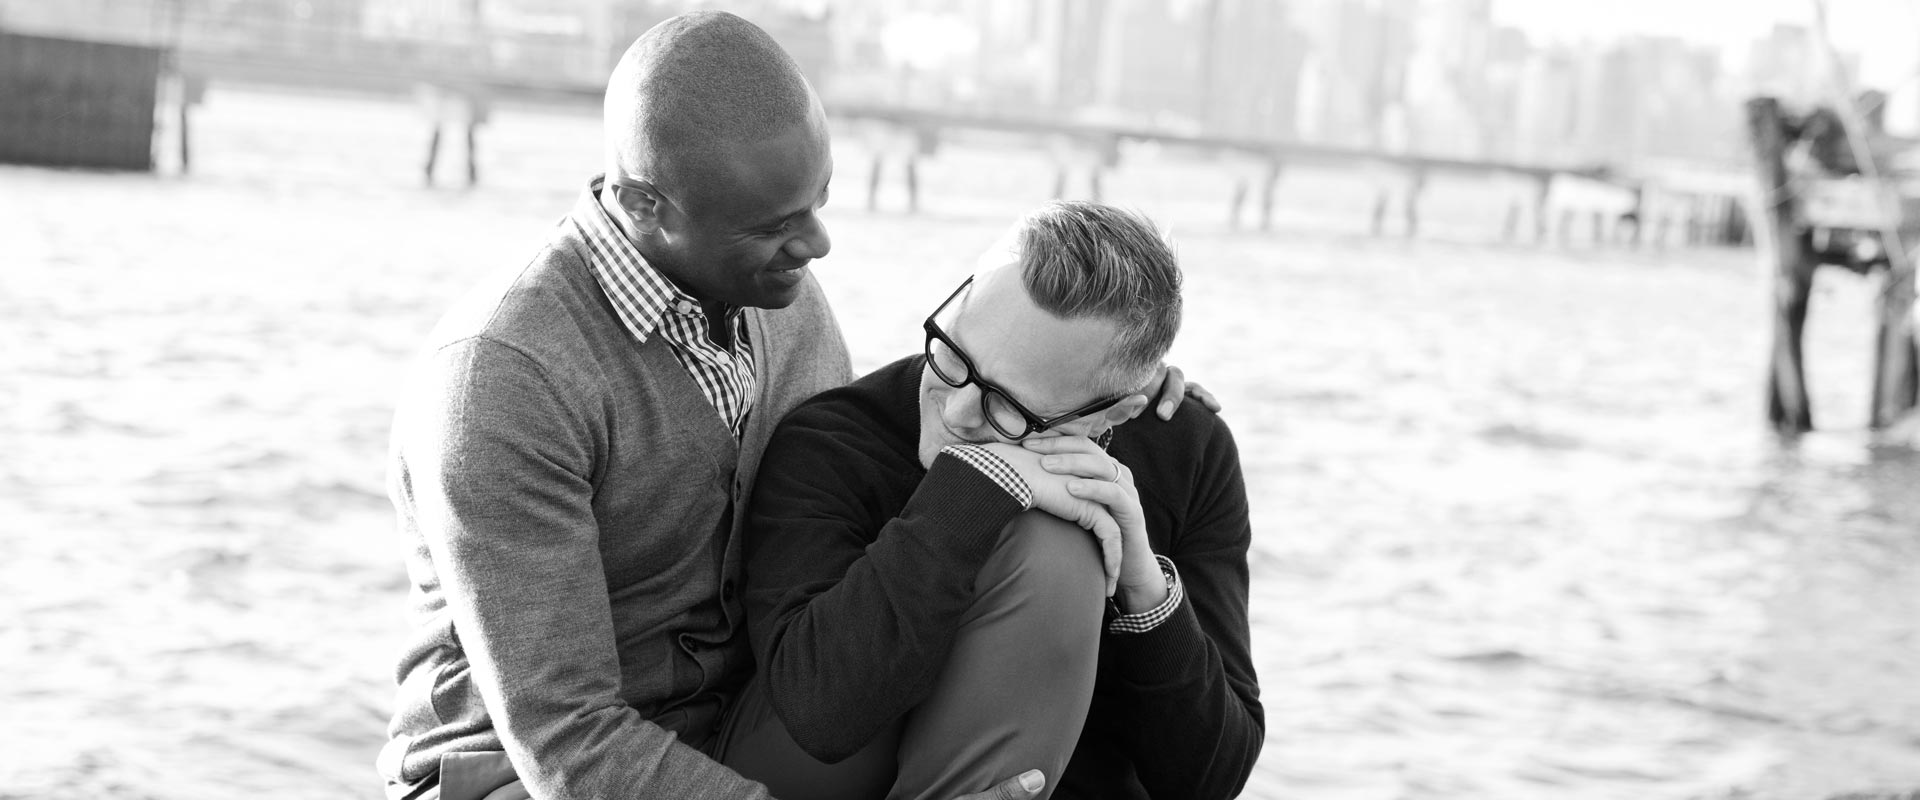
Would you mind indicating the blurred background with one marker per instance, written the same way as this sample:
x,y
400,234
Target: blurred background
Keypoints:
x,y
1573,387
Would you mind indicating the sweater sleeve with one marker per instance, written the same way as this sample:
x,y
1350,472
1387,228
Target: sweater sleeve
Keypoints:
x,y
498,464
1190,699
852,615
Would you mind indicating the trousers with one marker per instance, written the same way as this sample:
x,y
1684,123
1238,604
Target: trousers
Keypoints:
x,y
1012,696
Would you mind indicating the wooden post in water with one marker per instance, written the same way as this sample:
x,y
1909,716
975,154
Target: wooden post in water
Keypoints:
x,y
1793,262
186,128
1896,386
1269,188
1541,191
1269,181
1415,187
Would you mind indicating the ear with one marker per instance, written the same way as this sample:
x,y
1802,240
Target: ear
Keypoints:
x,y
644,204
1124,410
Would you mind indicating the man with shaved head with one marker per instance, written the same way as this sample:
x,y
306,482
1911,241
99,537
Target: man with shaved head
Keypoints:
x,y
570,460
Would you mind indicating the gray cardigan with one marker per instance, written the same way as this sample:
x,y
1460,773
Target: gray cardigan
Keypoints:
x,y
571,506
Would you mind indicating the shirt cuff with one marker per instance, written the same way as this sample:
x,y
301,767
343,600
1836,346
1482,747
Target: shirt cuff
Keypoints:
x,y
1151,618
993,467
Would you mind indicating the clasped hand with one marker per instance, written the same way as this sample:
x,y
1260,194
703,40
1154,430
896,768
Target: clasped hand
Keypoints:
x,y
1073,479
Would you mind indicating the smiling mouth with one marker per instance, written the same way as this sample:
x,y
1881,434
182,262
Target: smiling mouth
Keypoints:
x,y
800,266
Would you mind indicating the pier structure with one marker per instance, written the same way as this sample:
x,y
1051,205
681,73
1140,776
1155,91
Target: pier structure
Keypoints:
x,y
1829,196
1082,92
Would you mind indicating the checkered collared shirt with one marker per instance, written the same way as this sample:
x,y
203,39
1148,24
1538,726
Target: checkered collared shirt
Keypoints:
x,y
647,303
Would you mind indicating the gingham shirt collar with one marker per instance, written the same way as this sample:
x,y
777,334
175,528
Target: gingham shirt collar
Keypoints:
x,y
647,302
638,291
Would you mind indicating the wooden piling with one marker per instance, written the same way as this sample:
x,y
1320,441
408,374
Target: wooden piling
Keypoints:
x,y
1268,190
1542,189
1416,186
1236,202
1242,188
1792,262
1896,386
186,129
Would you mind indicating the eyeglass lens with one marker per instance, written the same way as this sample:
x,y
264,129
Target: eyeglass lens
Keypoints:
x,y
998,410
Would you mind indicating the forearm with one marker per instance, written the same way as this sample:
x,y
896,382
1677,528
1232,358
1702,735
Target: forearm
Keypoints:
x,y
878,617
613,752
1190,731
546,668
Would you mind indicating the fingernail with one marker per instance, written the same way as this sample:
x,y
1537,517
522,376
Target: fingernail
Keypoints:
x,y
1050,461
1032,780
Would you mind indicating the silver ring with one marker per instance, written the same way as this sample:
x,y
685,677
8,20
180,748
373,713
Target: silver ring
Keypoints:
x,y
1116,471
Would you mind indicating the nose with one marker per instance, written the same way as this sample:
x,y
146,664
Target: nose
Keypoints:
x,y
960,410
812,240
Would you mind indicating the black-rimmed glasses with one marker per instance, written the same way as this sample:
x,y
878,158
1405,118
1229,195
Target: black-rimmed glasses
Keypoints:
x,y
1005,414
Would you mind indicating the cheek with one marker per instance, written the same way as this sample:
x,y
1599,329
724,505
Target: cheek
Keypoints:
x,y
755,256
933,399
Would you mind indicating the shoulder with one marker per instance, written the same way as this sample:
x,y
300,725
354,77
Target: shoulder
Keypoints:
x,y
1188,466
519,332
876,404
867,421
522,301
849,443
1194,437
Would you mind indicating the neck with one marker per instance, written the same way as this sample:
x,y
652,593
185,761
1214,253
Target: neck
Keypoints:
x,y
719,328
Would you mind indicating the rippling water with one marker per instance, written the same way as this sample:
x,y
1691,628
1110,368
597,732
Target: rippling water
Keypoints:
x,y
1520,530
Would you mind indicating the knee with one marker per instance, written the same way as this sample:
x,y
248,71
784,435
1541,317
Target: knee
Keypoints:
x,y
1054,563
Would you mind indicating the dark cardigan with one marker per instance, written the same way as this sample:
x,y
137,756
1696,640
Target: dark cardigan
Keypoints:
x,y
858,570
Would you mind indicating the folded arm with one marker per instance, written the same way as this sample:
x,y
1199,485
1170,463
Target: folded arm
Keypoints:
x,y
852,608
1193,720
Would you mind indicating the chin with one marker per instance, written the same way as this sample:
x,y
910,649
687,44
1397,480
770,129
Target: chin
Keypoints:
x,y
775,296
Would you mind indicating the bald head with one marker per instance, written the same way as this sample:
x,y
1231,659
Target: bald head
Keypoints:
x,y
693,87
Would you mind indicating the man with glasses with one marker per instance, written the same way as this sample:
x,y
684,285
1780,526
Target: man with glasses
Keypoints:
x,y
925,608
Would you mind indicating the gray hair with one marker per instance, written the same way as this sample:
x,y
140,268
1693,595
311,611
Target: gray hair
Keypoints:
x,y
692,85
1083,259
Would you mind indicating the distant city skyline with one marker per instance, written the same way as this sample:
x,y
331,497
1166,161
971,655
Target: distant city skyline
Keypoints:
x,y
1535,81
1885,34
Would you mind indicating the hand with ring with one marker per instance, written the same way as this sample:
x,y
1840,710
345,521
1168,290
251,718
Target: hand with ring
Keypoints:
x,y
1052,494
1102,479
